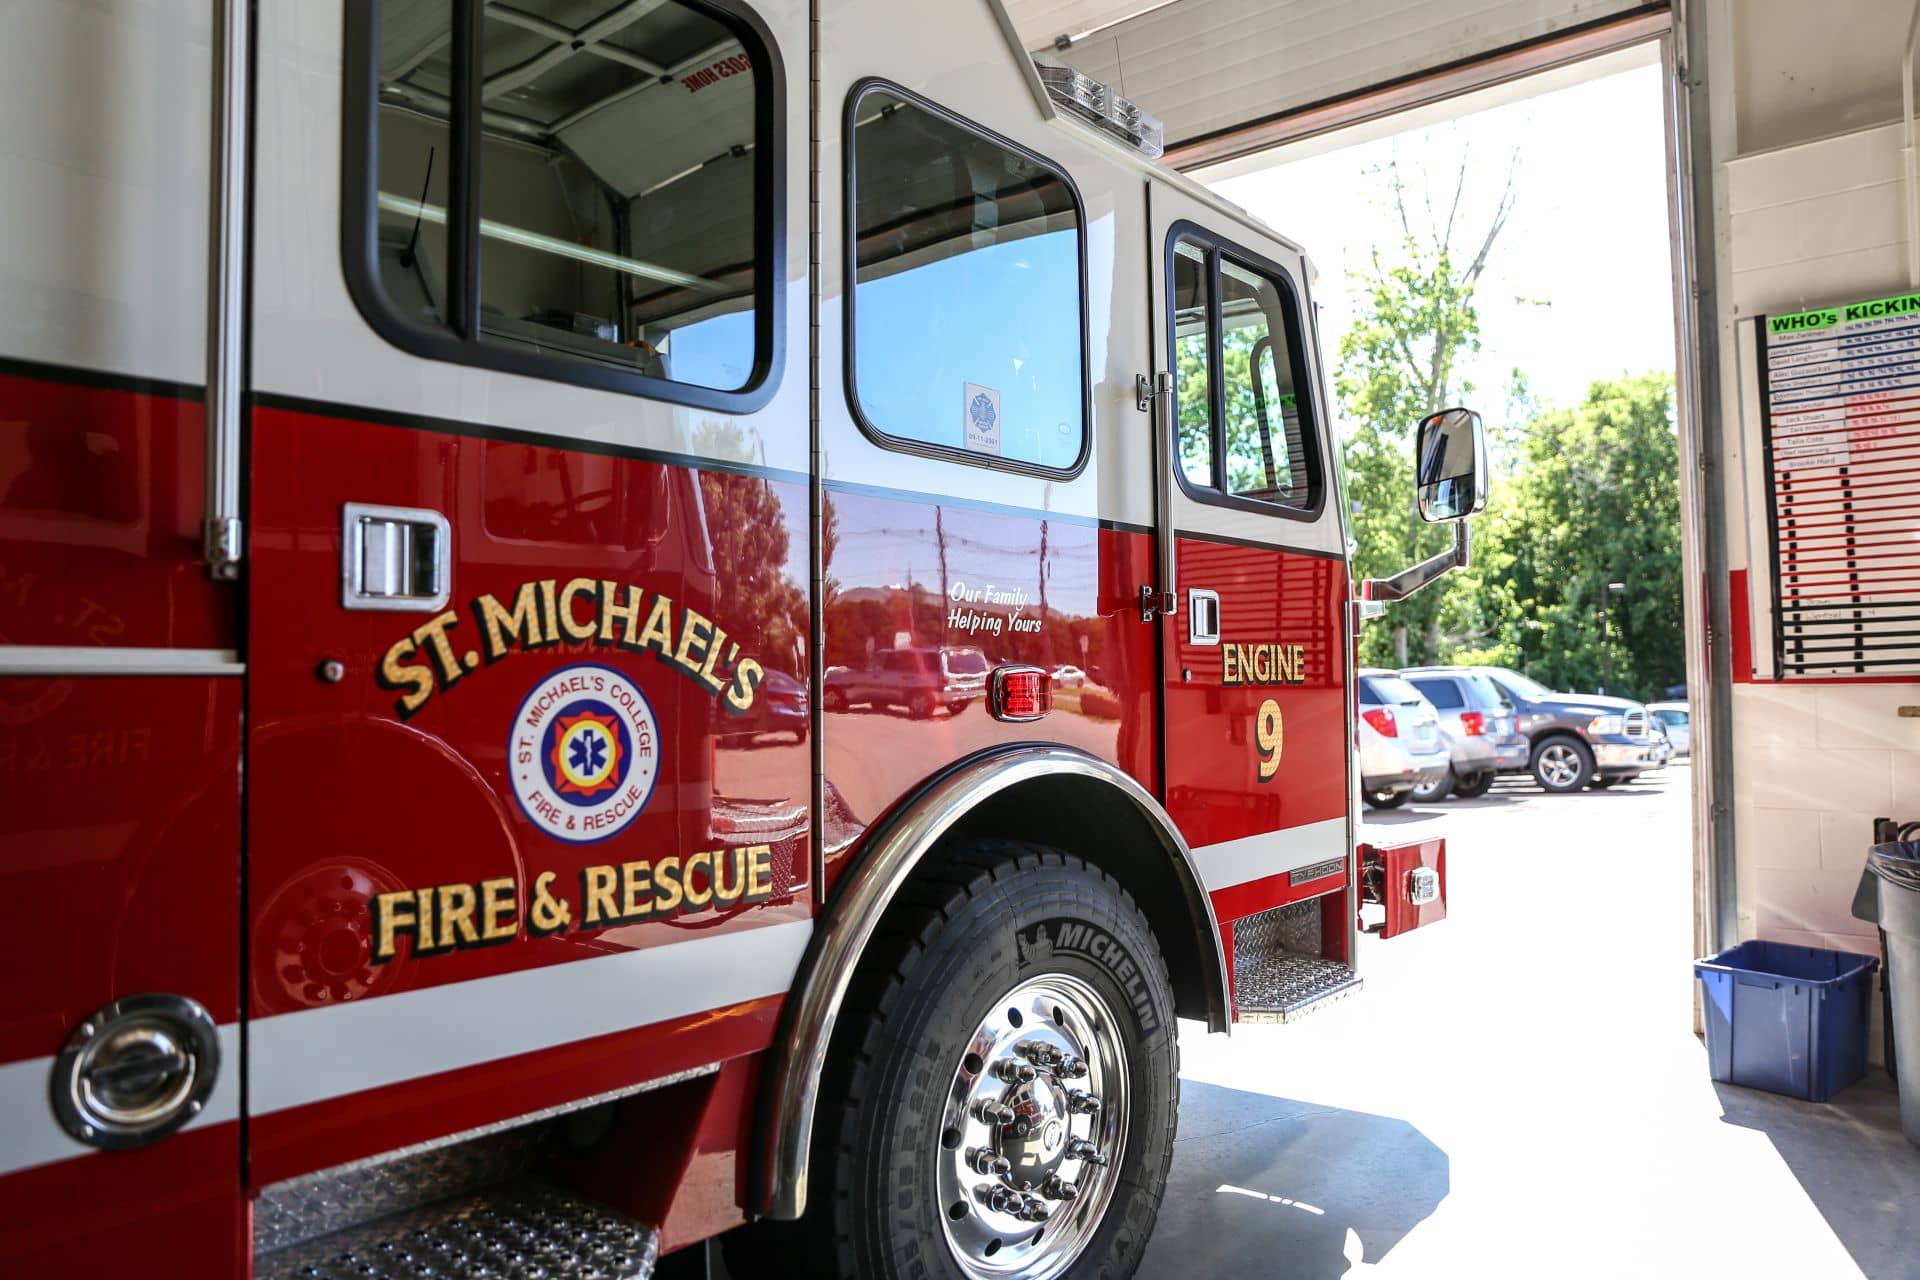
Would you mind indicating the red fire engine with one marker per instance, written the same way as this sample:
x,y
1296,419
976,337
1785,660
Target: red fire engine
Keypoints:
x,y
624,617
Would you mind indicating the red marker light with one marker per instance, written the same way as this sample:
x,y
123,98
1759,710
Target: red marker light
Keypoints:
x,y
1473,723
1381,718
1019,693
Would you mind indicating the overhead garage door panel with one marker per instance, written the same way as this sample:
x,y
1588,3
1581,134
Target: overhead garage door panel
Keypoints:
x,y
1207,65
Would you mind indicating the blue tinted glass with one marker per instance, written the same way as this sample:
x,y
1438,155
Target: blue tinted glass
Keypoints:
x,y
967,317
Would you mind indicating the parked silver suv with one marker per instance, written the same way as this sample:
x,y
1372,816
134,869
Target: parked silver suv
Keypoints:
x,y
1576,739
1482,736
1399,740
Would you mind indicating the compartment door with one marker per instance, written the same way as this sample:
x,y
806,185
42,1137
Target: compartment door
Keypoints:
x,y
120,676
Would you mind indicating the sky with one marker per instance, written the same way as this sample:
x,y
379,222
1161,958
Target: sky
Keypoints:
x,y
1577,287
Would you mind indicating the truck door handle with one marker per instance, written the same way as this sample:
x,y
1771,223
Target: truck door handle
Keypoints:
x,y
1203,616
394,558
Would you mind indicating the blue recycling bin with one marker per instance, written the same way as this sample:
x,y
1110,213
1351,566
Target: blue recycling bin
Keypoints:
x,y
1787,1019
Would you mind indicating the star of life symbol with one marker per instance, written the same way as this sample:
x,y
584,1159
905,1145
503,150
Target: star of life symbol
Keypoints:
x,y
583,753
586,754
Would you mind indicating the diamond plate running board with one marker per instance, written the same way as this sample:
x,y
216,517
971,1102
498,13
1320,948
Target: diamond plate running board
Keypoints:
x,y
1281,987
523,1229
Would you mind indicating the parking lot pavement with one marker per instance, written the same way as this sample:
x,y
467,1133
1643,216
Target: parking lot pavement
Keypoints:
x,y
1518,1091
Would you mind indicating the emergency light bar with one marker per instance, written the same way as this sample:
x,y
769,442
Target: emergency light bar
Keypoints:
x,y
1098,103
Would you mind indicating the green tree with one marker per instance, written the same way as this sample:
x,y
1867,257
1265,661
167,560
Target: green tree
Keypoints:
x,y
1596,500
1414,323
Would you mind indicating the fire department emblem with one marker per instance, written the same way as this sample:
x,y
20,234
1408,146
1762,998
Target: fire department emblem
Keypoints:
x,y
584,753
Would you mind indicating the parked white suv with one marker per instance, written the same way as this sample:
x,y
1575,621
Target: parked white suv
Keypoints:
x,y
1401,746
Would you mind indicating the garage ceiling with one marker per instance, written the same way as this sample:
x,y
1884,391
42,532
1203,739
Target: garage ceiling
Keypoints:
x,y
1211,67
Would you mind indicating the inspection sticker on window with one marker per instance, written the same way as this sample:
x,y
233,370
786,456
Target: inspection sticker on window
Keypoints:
x,y
982,433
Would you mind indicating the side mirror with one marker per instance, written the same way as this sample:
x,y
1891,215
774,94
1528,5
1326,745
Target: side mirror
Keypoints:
x,y
1450,460
1450,471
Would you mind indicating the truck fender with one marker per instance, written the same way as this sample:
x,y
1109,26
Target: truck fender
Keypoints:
x,y
783,1133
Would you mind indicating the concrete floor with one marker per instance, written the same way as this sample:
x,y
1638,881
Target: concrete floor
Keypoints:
x,y
1518,1092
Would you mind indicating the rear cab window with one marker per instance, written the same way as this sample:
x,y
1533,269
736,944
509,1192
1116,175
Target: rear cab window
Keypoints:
x,y
1441,692
1244,418
568,193
1387,691
966,329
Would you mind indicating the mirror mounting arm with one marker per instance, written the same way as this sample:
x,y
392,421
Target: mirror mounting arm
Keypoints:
x,y
1376,592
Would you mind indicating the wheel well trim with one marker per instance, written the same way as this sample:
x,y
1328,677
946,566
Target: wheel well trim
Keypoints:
x,y
789,1098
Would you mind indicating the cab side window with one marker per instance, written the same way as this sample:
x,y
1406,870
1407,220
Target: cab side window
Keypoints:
x,y
575,191
967,335
1244,411
1193,360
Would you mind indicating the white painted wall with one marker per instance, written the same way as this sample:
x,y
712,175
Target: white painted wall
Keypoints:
x,y
1810,211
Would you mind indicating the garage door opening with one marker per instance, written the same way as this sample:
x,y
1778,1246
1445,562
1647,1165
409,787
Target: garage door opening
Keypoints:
x,y
1509,251
1512,250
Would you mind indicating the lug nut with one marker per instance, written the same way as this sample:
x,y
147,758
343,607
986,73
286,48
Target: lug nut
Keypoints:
x,y
993,1113
1072,1068
1058,1188
1081,1149
1080,1102
981,1160
1038,1051
1014,1072
1004,1199
1034,1209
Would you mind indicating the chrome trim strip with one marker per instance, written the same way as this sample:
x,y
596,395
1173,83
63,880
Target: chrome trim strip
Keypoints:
x,y
31,1136
226,288
315,1055
783,1137
77,660
1271,853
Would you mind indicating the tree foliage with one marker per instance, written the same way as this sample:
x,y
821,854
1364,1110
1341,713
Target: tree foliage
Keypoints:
x,y
1596,499
1581,497
1413,326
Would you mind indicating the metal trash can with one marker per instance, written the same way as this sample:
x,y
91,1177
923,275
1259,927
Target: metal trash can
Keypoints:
x,y
1896,869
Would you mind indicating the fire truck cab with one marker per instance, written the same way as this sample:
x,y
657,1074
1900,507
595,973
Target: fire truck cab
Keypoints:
x,y
457,463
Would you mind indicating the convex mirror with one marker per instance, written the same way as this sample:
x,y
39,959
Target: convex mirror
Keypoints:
x,y
1450,459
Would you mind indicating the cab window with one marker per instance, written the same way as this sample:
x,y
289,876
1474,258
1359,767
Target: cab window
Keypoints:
x,y
966,333
1244,416
1192,361
576,190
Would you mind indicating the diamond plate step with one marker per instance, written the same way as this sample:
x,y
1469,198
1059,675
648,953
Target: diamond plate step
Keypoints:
x,y
1279,974
1285,987
519,1231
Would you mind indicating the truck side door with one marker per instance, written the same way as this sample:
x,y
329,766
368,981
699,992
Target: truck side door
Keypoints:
x,y
529,480
1256,662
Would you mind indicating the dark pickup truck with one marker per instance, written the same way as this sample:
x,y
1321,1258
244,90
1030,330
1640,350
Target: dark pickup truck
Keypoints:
x,y
1575,739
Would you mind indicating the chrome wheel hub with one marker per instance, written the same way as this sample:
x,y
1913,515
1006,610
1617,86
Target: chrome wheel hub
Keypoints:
x,y
1559,765
1033,1131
